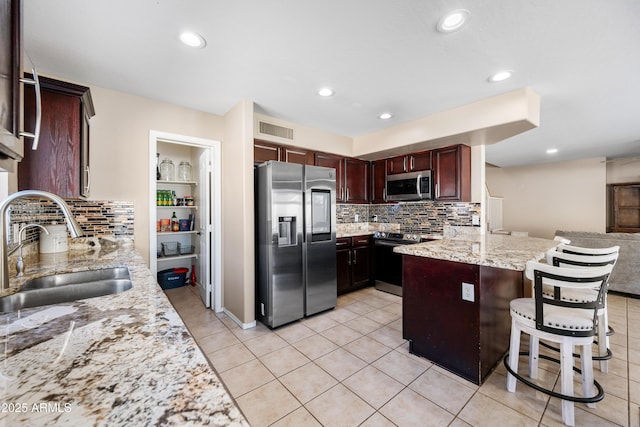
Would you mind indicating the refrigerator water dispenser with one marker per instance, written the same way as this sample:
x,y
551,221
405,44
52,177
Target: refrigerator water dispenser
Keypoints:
x,y
287,231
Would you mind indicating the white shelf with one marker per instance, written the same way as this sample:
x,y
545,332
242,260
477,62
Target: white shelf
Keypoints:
x,y
177,207
176,257
177,182
175,233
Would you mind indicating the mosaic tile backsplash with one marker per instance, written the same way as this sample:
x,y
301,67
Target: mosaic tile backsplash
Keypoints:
x,y
96,218
426,217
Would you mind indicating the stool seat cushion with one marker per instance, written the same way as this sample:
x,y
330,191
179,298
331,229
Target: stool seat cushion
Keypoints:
x,y
573,295
524,310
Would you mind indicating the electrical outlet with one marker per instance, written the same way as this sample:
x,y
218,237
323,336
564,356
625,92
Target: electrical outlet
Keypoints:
x,y
475,220
357,217
468,292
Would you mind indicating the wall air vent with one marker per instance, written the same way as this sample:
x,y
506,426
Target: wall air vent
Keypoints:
x,y
275,130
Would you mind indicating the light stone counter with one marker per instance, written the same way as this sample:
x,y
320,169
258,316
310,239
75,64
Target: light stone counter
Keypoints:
x,y
491,250
123,359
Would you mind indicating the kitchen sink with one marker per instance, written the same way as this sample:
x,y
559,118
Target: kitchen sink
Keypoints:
x,y
67,287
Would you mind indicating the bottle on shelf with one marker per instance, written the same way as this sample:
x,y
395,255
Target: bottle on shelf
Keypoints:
x,y
175,224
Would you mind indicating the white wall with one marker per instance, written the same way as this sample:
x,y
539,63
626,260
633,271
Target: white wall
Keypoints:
x,y
238,239
544,198
307,137
119,151
623,170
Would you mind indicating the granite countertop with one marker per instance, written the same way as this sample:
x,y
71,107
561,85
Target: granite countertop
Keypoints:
x,y
508,252
122,359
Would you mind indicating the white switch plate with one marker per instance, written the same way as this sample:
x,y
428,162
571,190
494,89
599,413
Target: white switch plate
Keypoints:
x,y
467,292
475,219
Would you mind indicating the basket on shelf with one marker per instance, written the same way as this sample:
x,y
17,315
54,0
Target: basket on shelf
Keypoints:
x,y
185,249
170,248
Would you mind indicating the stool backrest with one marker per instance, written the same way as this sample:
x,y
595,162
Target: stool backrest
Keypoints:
x,y
564,277
568,259
577,250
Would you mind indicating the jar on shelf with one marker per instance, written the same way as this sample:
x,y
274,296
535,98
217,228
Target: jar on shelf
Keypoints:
x,y
167,170
184,171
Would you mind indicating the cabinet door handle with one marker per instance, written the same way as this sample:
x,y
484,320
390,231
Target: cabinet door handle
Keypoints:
x,y
412,163
354,257
35,81
349,262
384,194
437,191
347,199
88,186
404,164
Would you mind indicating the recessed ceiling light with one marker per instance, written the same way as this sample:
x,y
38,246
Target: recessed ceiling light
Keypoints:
x,y
385,116
325,92
552,151
453,21
500,76
192,39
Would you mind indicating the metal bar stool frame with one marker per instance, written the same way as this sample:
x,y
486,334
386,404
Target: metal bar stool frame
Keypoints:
x,y
538,329
574,256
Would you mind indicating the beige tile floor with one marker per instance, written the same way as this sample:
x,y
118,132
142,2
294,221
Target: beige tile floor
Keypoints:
x,y
351,367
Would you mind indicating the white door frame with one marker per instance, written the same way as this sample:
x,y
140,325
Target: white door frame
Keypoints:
x,y
215,207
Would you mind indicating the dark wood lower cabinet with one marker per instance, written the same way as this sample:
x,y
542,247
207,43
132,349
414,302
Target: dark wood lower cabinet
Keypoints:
x,y
353,257
343,264
468,338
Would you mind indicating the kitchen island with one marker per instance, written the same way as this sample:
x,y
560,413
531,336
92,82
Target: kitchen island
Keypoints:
x,y
122,359
456,294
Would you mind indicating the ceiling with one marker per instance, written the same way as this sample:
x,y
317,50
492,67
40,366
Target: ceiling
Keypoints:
x,y
581,56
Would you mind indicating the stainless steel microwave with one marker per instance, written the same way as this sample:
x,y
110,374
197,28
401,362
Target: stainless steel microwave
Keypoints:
x,y
410,186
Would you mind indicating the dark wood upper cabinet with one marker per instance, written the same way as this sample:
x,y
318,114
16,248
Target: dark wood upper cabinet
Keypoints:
x,y
264,151
357,181
297,155
11,146
420,161
452,173
336,162
378,181
61,163
361,181
398,164
413,162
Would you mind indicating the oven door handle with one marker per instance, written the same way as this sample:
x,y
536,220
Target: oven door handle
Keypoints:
x,y
387,243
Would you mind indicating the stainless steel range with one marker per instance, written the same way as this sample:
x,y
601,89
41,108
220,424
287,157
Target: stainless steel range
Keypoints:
x,y
388,264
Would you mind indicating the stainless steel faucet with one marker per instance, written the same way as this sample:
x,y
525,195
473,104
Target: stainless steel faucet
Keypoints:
x,y
20,262
72,225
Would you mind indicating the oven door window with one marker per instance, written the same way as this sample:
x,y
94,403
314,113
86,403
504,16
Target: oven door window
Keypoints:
x,y
320,215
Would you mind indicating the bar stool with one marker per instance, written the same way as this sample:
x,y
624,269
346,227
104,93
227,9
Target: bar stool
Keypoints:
x,y
564,322
574,256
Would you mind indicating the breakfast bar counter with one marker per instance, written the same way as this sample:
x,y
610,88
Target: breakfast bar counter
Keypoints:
x,y
121,359
456,294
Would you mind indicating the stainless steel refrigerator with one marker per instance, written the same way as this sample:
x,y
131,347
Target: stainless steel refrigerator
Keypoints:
x,y
296,241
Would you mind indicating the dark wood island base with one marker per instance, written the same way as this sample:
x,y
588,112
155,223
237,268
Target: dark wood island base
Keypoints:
x,y
465,337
